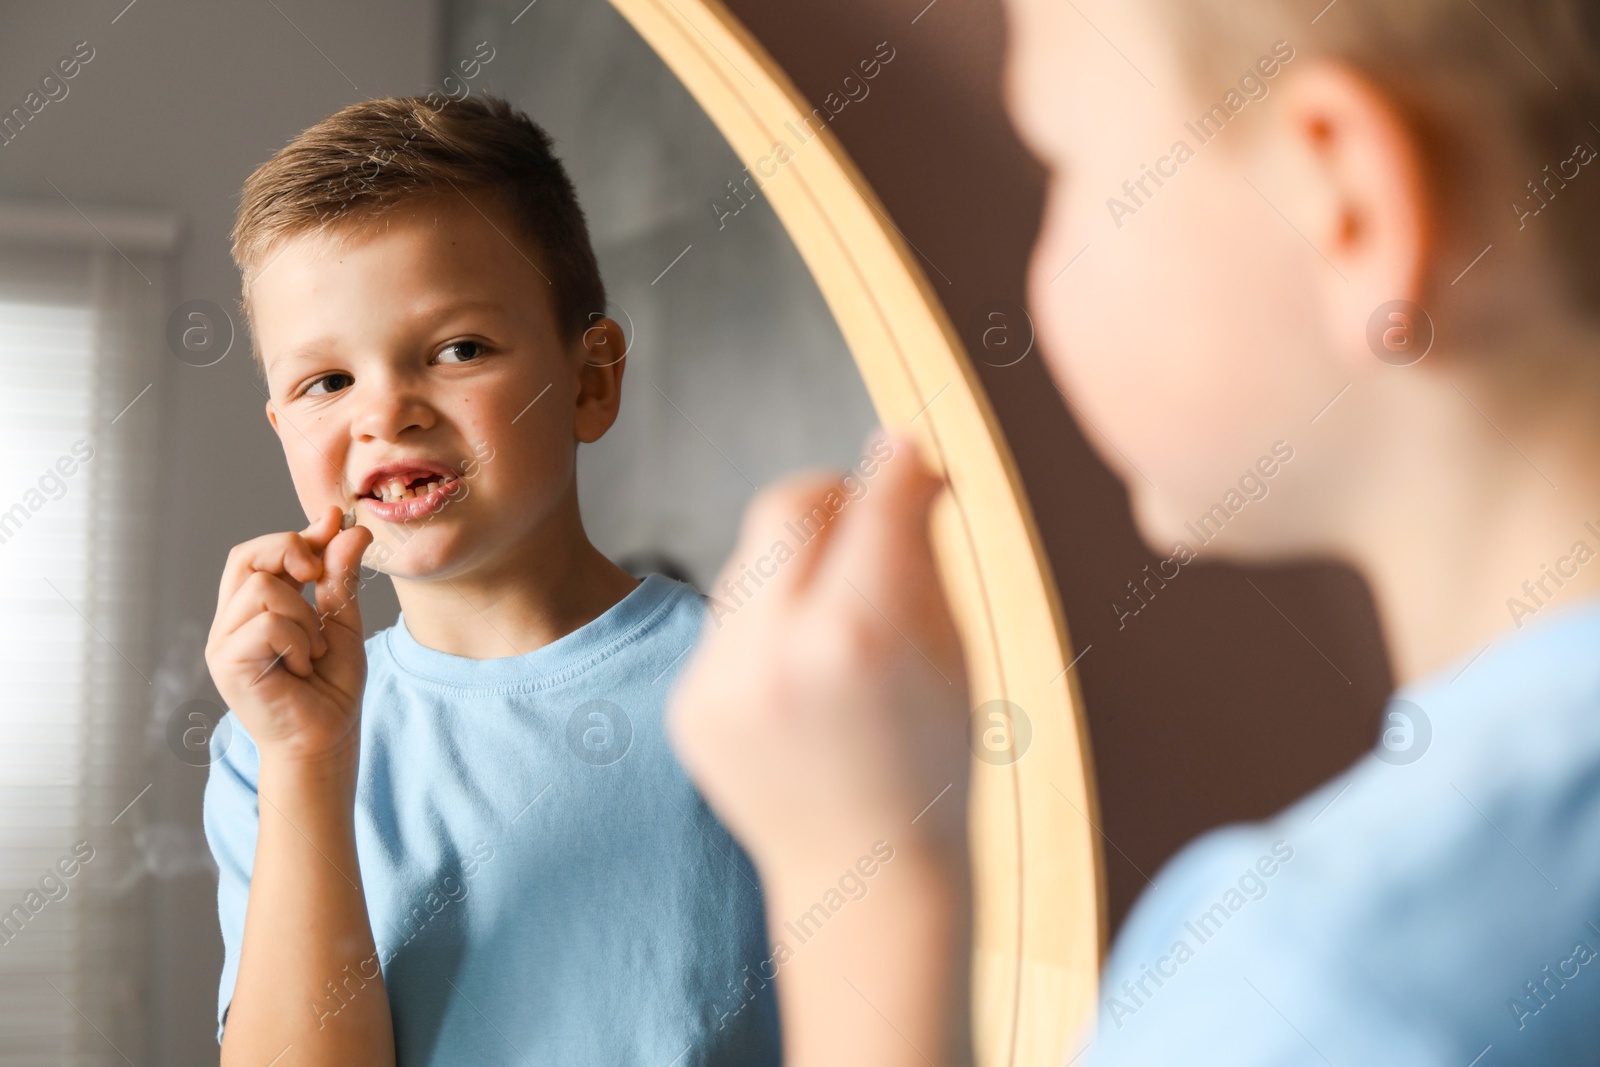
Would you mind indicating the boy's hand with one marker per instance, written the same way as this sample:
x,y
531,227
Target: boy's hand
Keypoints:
x,y
829,709
293,675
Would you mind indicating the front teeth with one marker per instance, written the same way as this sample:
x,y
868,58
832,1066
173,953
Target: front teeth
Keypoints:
x,y
396,490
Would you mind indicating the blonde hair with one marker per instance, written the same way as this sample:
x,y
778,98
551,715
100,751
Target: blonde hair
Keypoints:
x,y
372,157
1489,87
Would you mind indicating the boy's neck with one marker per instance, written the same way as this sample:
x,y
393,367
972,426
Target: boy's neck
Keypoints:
x,y
549,585
1475,510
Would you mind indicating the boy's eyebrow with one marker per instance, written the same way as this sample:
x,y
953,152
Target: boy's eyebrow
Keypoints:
x,y
315,347
444,311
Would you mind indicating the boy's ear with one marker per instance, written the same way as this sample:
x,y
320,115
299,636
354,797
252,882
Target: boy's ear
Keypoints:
x,y
602,351
272,417
1368,198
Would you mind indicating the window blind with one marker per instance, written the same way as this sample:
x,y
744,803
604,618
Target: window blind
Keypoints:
x,y
80,328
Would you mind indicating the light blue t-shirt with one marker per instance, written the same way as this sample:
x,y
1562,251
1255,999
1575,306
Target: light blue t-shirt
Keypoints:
x,y
545,885
1437,905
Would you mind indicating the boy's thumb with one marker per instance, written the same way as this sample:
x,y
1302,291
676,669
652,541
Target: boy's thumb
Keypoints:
x,y
338,591
887,541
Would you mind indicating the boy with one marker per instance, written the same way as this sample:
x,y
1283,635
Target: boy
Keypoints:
x,y
463,841
1365,229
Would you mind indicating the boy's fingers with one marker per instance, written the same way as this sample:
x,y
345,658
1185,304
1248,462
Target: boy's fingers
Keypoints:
x,y
267,593
323,528
338,600
280,553
273,640
803,511
884,546
297,555
786,530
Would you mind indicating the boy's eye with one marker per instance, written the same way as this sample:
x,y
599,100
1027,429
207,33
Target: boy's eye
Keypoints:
x,y
332,382
465,351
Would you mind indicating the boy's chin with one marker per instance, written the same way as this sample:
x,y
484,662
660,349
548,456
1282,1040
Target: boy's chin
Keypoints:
x,y
1159,530
413,560
1165,526
1248,536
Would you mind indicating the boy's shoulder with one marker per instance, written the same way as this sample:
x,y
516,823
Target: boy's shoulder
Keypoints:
x,y
1461,819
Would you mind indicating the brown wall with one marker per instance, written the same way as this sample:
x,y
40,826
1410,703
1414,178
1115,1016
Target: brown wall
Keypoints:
x,y
1208,707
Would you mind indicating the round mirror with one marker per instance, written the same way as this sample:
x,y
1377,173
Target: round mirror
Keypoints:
x,y
1039,926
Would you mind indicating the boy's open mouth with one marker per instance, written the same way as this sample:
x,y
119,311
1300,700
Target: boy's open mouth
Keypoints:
x,y
397,489
407,489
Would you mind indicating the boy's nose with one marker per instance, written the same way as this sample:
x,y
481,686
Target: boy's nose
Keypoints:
x,y
385,411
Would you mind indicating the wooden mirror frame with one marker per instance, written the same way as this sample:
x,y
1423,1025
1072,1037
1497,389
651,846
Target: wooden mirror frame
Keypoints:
x,y
1039,928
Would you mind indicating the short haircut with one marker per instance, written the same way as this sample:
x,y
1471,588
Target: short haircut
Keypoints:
x,y
1478,81
372,157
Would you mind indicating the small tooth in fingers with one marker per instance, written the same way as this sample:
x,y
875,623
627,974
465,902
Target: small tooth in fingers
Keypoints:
x,y
347,520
